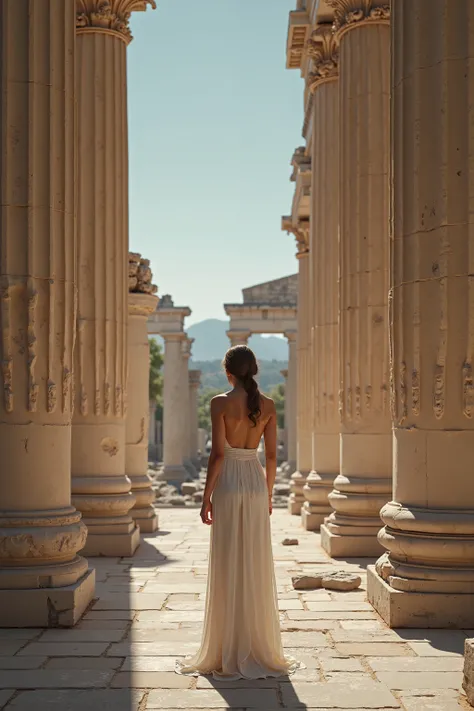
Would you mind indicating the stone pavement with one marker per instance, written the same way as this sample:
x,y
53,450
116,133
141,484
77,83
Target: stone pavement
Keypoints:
x,y
150,609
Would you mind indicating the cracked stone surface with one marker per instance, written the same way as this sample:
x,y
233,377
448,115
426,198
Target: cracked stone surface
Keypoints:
x,y
149,610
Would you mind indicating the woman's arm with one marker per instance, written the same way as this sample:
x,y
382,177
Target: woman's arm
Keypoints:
x,y
270,438
216,458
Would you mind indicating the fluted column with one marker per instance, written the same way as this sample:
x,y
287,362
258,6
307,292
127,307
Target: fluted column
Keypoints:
x,y
194,383
296,497
43,582
173,409
101,489
428,572
303,378
238,338
141,303
324,256
186,413
364,483
285,465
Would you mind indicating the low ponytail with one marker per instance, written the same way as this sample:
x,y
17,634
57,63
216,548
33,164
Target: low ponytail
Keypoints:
x,y
253,398
240,362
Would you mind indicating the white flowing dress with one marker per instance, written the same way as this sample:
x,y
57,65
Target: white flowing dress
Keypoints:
x,y
241,637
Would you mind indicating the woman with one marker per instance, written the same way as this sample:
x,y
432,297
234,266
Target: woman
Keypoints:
x,y
241,637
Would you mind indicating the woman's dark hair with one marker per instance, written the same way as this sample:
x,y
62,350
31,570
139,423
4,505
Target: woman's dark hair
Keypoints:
x,y
240,362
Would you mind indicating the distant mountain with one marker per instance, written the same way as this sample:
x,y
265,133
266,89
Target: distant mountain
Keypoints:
x,y
211,342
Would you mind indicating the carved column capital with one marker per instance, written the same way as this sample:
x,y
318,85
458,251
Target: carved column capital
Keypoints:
x,y
300,233
109,16
351,13
323,49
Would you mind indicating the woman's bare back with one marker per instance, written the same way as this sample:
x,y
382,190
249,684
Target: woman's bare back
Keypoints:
x,y
239,429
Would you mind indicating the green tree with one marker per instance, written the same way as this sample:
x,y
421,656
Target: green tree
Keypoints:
x,y
204,407
277,394
155,388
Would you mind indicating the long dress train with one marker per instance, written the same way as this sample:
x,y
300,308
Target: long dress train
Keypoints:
x,y
241,637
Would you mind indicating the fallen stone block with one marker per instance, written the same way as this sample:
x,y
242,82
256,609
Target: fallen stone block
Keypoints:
x,y
341,581
307,582
290,542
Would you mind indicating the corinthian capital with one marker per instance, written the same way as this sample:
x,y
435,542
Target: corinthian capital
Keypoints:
x,y
109,16
348,13
322,47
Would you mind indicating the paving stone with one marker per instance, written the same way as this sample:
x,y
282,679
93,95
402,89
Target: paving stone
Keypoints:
x,y
147,649
8,647
431,702
353,606
84,663
154,634
54,679
304,639
373,649
96,625
17,662
149,664
135,601
295,625
211,698
204,682
420,680
5,695
290,605
426,649
90,700
416,664
339,695
151,680
331,615
19,633
340,664
65,649
110,615
78,635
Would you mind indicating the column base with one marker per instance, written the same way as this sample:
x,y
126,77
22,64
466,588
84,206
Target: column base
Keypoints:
x,y
110,544
349,546
146,519
417,610
295,505
47,607
174,475
312,521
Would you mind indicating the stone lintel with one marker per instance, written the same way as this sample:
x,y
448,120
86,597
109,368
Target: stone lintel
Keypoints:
x,y
419,610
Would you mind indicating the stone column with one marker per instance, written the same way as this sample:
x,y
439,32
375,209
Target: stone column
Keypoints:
x,y
364,483
428,572
238,338
152,438
101,489
194,382
324,256
141,303
173,409
285,465
297,482
186,412
43,582
303,377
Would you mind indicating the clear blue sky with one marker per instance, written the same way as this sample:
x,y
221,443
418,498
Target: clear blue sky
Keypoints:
x,y
214,118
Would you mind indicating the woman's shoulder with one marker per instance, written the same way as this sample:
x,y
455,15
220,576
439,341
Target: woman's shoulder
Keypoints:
x,y
219,401
268,404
